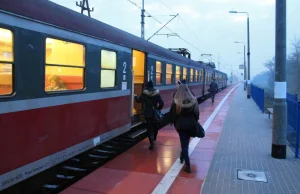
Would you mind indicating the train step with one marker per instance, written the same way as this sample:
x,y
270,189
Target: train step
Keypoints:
x,y
137,133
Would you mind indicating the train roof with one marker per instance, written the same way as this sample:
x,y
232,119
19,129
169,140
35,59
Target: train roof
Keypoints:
x,y
54,14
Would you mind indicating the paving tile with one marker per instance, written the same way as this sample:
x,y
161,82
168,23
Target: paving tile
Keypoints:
x,y
71,190
185,186
113,181
199,170
202,154
245,143
137,163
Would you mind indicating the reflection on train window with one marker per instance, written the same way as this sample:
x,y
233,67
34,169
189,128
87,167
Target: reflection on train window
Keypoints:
x,y
191,75
5,79
196,75
60,52
178,72
6,61
169,74
65,63
108,69
184,74
158,73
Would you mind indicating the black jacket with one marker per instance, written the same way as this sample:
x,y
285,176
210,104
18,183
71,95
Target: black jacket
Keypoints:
x,y
213,87
150,98
187,118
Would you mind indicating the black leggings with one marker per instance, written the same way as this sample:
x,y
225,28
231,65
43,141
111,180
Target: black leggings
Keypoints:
x,y
185,141
151,129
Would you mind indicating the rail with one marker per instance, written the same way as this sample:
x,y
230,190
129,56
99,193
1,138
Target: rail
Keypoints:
x,y
258,95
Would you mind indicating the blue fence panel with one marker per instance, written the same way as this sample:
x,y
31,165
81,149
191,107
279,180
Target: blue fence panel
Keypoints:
x,y
293,121
258,95
292,96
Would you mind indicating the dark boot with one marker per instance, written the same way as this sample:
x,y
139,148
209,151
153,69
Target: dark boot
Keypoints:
x,y
151,138
187,169
181,158
155,136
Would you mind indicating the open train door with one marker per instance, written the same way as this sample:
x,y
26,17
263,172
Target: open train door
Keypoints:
x,y
138,78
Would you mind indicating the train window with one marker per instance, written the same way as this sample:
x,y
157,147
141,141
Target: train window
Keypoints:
x,y
65,63
158,73
6,61
108,69
196,75
169,74
178,73
184,73
191,75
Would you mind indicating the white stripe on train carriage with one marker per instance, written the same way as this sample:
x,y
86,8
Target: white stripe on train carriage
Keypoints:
x,y
22,105
11,19
17,175
166,182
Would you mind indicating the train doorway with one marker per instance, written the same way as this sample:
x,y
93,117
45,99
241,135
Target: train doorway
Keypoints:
x,y
138,78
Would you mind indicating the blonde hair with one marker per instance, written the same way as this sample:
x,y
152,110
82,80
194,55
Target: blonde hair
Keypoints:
x,y
184,95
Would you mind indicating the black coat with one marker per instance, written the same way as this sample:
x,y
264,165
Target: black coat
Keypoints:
x,y
213,87
150,98
187,118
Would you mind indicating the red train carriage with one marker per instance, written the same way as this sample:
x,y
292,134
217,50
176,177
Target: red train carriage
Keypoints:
x,y
67,84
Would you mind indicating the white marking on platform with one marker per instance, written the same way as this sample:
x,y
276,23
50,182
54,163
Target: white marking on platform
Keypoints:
x,y
166,182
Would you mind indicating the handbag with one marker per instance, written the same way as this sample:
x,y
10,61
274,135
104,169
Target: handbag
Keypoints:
x,y
200,132
157,114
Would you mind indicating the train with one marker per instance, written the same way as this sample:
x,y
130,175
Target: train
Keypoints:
x,y
67,84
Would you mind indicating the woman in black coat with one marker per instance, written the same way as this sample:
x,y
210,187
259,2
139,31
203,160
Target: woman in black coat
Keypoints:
x,y
184,114
150,99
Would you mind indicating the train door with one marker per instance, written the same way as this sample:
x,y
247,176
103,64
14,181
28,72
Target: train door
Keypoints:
x,y
138,78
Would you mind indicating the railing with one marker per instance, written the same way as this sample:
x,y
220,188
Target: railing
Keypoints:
x,y
258,95
293,123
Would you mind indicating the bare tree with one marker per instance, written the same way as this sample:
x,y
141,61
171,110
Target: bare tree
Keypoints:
x,y
293,68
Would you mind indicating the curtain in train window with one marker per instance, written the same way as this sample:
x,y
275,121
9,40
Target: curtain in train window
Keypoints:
x,y
6,61
158,73
169,74
196,75
184,76
65,64
191,75
108,69
178,72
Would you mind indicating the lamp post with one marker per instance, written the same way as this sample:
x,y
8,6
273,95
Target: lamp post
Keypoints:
x,y
245,76
248,52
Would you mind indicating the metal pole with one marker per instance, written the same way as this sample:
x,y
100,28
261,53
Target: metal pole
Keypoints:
x,y
248,54
245,76
280,106
142,22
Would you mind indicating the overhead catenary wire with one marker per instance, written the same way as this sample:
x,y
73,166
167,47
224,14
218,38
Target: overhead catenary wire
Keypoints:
x,y
184,22
154,18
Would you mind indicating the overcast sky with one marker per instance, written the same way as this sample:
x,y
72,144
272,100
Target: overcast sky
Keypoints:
x,y
205,24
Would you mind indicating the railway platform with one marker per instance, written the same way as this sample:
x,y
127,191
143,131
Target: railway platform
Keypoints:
x,y
237,142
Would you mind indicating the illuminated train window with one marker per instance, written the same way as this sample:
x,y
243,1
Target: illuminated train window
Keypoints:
x,y
184,76
6,61
191,75
196,75
169,74
158,73
108,69
65,63
178,73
